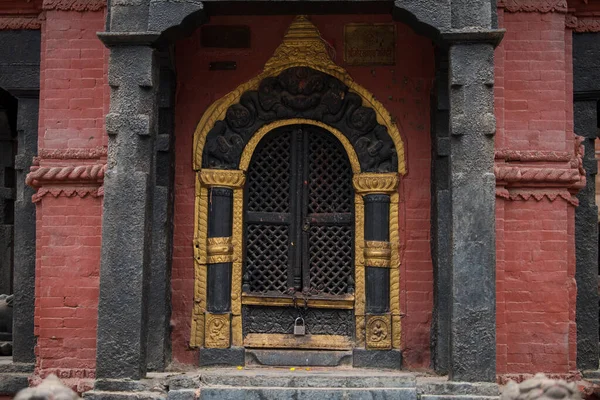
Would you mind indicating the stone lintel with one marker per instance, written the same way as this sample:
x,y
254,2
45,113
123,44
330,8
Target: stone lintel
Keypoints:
x,y
114,39
491,36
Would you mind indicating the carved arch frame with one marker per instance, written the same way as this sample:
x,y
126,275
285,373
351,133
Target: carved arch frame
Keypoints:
x,y
306,52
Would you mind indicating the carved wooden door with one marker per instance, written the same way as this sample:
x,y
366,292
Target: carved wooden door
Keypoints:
x,y
299,234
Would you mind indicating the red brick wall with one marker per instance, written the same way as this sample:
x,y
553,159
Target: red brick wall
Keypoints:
x,y
74,94
535,239
535,81
73,102
537,286
404,89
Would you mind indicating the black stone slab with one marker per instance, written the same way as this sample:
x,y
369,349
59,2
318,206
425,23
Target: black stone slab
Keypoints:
x,y
441,215
233,356
298,358
586,241
383,359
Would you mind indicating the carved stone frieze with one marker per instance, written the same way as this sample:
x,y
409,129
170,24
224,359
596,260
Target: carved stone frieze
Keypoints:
x,y
379,332
301,92
378,254
521,169
370,183
69,181
219,250
536,194
20,23
74,5
588,24
217,331
541,6
222,178
66,154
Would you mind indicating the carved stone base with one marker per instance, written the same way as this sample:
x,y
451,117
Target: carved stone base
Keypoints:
x,y
233,356
388,359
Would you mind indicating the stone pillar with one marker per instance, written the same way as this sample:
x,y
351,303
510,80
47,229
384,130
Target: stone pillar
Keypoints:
x,y
586,240
127,214
441,213
24,251
159,301
217,327
376,190
586,114
472,281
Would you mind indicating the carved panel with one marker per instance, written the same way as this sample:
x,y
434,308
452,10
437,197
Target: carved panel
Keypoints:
x,y
281,320
217,331
379,333
301,92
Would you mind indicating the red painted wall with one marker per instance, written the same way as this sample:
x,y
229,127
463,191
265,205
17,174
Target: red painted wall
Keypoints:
x,y
73,102
535,238
403,89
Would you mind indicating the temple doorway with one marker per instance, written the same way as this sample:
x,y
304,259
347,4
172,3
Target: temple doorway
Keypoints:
x,y
298,273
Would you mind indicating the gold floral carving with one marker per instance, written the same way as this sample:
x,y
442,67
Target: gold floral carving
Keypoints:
x,y
289,341
395,271
222,178
236,273
256,138
200,278
378,333
219,250
302,47
377,254
217,331
359,269
371,183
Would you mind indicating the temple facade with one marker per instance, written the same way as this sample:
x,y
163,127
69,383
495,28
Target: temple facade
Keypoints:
x,y
402,186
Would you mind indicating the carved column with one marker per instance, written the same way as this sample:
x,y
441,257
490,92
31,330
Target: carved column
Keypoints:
x,y
472,282
219,261
376,190
127,215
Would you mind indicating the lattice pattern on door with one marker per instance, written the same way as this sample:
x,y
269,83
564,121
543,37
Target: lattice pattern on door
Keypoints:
x,y
330,176
299,215
269,176
331,259
267,260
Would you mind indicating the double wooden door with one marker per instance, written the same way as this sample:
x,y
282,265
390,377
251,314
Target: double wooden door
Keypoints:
x,y
299,234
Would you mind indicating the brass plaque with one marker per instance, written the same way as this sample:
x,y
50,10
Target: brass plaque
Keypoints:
x,y
370,44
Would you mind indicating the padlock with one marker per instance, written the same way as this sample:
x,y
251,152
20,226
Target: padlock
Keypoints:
x,y
299,327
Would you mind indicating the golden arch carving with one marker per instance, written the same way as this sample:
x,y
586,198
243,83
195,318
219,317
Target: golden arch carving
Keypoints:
x,y
302,47
257,137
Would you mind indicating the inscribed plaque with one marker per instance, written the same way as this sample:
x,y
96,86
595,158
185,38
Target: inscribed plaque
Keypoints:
x,y
369,44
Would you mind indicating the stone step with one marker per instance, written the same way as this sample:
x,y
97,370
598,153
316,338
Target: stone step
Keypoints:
x,y
298,358
312,378
441,386
278,393
591,374
107,395
456,397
